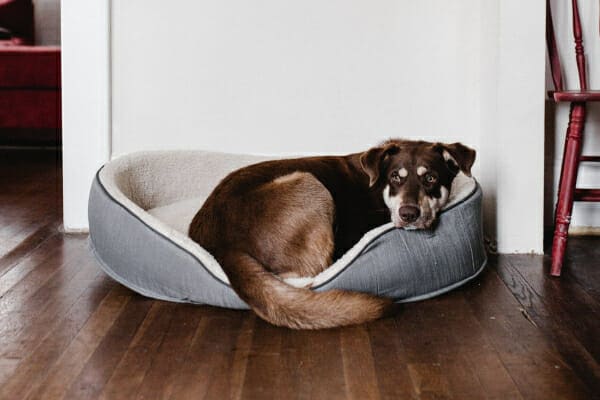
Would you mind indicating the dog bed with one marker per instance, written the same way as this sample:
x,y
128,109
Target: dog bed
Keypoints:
x,y
141,204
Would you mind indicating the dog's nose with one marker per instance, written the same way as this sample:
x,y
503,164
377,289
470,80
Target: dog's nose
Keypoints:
x,y
409,213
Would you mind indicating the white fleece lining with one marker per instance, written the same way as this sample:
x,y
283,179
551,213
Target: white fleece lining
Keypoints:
x,y
165,189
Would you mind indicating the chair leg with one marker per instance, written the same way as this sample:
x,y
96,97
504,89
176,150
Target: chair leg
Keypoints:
x,y
566,189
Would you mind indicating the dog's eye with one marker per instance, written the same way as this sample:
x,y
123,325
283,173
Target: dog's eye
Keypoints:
x,y
396,177
430,178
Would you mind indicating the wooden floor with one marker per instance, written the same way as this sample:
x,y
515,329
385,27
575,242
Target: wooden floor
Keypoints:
x,y
68,331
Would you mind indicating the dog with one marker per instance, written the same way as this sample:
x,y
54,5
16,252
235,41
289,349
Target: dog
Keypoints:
x,y
292,218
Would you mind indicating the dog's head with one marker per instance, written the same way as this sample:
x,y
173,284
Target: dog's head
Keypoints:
x,y
415,177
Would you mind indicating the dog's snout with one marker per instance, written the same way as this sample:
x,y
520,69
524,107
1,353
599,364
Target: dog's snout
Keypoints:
x,y
409,213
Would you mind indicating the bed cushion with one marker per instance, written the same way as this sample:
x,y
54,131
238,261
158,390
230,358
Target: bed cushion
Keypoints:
x,y
141,204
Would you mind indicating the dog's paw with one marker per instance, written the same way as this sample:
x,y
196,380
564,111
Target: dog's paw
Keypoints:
x,y
300,282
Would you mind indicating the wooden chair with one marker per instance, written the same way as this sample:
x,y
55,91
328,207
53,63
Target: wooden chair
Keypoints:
x,y
568,192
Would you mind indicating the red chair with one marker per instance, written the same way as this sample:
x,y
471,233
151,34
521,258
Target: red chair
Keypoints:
x,y
567,191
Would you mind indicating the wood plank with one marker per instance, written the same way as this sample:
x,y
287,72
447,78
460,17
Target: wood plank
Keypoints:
x,y
130,372
26,246
429,381
240,357
390,361
100,366
581,264
327,373
29,324
29,278
171,354
81,348
311,365
425,341
524,350
22,302
473,367
206,370
264,360
13,234
223,383
557,313
361,383
298,364
26,177
33,369
24,215
23,267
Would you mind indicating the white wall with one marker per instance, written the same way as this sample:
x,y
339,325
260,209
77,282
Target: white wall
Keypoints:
x,y
303,76
516,126
85,103
46,14
339,76
584,214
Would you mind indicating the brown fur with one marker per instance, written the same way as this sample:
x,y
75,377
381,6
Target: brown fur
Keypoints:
x,y
293,218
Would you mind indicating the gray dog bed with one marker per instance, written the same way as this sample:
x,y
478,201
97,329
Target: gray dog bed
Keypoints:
x,y
140,206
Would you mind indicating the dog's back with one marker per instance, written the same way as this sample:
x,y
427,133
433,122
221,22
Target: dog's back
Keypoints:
x,y
274,220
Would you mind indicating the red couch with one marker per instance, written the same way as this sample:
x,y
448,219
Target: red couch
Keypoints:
x,y
30,111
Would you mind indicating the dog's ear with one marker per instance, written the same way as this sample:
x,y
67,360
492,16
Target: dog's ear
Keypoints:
x,y
372,160
458,156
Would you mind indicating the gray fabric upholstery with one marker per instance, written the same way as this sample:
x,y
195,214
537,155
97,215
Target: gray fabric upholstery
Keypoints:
x,y
138,245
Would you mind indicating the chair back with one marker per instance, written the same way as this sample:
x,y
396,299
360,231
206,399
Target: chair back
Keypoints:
x,y
555,65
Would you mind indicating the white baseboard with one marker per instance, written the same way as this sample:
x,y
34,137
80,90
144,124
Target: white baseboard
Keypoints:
x,y
584,230
74,231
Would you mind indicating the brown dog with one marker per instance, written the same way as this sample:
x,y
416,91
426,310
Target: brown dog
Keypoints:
x,y
292,218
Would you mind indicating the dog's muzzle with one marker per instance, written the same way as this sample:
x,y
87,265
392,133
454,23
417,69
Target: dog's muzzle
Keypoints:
x,y
409,213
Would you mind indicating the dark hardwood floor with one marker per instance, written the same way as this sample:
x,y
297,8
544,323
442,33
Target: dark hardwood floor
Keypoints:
x,y
69,331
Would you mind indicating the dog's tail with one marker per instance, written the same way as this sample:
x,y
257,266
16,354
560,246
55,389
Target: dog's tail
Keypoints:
x,y
284,305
